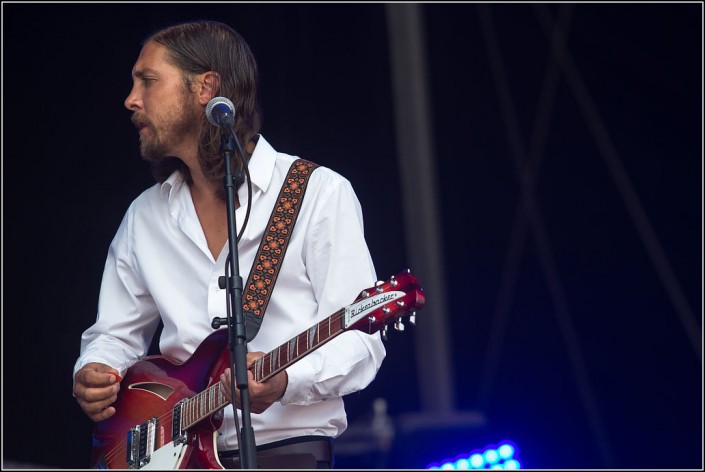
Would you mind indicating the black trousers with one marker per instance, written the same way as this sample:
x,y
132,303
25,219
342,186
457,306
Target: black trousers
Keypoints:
x,y
304,452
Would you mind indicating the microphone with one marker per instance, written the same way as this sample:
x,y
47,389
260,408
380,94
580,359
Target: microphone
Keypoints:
x,y
220,111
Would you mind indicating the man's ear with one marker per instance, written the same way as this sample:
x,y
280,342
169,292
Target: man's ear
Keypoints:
x,y
207,86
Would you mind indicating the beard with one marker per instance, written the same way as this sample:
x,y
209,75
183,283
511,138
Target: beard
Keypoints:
x,y
180,123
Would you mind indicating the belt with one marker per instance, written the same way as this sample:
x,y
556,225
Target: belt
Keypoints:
x,y
304,452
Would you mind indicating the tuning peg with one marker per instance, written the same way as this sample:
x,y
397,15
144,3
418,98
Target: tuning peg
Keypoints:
x,y
385,332
364,294
412,318
398,325
393,281
378,286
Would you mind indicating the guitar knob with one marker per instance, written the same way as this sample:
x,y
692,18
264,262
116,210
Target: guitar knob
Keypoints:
x,y
385,333
412,318
398,325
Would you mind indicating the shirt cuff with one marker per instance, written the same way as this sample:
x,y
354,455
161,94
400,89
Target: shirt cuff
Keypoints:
x,y
298,389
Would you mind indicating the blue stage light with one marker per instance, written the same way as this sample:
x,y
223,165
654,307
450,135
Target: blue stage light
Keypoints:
x,y
477,461
491,456
505,451
501,456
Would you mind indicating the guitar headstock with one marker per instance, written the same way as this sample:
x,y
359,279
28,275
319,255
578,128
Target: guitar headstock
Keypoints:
x,y
386,303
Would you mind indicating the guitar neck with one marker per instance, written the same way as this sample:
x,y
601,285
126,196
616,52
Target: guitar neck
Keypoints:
x,y
212,399
297,347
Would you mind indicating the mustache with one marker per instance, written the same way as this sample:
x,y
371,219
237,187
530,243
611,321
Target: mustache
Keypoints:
x,y
139,121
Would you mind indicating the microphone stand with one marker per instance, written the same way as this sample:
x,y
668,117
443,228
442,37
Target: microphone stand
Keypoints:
x,y
237,338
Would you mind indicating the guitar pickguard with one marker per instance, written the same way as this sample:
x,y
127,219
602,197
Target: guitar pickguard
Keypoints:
x,y
168,457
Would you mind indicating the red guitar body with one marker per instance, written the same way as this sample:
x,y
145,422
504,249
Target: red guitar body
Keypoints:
x,y
167,413
151,388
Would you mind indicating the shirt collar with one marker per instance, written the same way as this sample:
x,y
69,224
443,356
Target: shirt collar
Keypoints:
x,y
174,181
261,168
262,162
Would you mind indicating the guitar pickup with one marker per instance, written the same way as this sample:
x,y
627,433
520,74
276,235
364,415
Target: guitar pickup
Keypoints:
x,y
140,444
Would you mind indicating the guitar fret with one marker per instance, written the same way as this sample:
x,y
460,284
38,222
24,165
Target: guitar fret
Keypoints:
x,y
185,418
278,361
311,335
197,408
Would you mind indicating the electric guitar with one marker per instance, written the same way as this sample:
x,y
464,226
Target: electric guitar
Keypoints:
x,y
168,413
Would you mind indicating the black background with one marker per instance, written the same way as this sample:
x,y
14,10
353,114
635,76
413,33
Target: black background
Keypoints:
x,y
71,167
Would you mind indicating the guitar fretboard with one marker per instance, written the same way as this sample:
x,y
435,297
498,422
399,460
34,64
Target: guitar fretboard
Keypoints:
x,y
202,405
297,347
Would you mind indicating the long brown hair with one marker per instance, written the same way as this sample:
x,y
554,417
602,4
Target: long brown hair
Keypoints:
x,y
201,46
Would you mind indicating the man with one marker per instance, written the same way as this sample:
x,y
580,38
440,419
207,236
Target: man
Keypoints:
x,y
170,249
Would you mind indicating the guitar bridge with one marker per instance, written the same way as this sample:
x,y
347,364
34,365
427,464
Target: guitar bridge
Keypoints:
x,y
140,444
178,435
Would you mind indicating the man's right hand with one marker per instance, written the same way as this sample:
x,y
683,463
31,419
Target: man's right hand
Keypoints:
x,y
95,387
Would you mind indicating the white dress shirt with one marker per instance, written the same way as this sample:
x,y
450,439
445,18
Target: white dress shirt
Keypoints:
x,y
159,265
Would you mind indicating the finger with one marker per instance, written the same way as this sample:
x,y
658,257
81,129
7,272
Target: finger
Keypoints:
x,y
92,408
225,378
92,379
116,374
225,383
92,395
253,356
104,414
99,410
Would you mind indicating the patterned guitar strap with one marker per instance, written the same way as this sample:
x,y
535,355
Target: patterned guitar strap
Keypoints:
x,y
272,248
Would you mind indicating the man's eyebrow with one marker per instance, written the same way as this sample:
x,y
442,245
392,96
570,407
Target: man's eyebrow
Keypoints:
x,y
139,73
